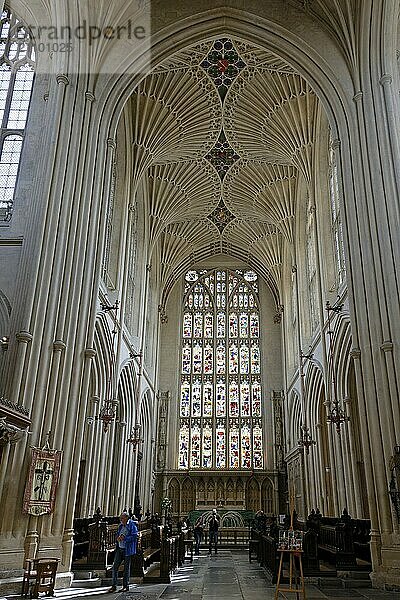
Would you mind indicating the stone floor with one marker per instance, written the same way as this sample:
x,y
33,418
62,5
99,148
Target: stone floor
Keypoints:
x,y
226,576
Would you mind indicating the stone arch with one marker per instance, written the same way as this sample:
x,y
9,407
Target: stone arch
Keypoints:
x,y
315,386
5,311
295,418
253,495
267,496
174,494
231,519
187,497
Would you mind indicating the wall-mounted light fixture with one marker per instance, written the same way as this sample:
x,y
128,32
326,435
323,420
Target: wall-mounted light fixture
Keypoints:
x,y
107,411
305,441
336,414
134,439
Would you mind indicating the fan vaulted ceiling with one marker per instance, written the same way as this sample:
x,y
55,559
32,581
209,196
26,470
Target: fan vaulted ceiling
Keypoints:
x,y
222,132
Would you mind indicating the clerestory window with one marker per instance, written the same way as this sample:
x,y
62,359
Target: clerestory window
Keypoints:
x,y
17,62
337,227
220,410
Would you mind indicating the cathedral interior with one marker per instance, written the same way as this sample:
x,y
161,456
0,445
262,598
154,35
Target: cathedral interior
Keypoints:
x,y
199,297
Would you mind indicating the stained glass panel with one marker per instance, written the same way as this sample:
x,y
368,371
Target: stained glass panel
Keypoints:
x,y
208,399
186,359
185,398
195,447
244,325
257,448
221,360
207,446
255,358
221,399
187,325
196,399
197,358
234,448
208,325
233,359
208,359
246,448
184,447
254,325
244,358
256,399
221,325
233,399
245,399
220,461
233,325
198,325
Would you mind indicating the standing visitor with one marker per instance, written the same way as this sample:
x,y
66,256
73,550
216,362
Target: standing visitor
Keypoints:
x,y
126,545
198,535
213,531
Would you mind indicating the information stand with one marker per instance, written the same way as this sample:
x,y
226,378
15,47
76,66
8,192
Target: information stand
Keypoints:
x,y
291,543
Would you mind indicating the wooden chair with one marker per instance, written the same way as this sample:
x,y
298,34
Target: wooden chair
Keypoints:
x,y
40,576
29,575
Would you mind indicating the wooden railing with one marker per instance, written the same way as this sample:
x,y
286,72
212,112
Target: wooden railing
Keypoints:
x,y
265,549
339,541
172,556
230,536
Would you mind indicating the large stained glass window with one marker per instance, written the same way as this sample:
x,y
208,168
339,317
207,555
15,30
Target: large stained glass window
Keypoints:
x,y
220,409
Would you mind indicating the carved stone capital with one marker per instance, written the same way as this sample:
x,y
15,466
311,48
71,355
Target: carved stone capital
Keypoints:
x,y
24,336
61,78
9,434
386,79
90,352
90,97
387,346
59,346
355,353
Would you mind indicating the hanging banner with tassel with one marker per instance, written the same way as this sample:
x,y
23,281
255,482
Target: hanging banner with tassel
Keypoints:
x,y
42,480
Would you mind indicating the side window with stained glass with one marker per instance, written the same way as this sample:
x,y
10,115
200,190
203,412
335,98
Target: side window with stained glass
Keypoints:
x,y
220,410
17,66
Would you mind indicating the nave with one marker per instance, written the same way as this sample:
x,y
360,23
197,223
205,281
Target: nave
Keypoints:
x,y
225,576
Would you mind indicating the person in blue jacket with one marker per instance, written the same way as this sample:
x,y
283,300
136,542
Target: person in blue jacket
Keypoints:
x,y
126,545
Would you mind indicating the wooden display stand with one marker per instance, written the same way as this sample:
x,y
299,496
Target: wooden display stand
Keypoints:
x,y
296,582
292,545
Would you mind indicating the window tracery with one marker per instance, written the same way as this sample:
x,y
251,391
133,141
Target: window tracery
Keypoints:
x,y
337,227
311,266
220,393
17,62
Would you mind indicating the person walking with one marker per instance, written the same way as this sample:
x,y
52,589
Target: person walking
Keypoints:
x,y
213,531
198,535
126,545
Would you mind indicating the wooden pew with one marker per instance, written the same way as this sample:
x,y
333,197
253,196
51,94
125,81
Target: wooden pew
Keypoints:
x,y
148,550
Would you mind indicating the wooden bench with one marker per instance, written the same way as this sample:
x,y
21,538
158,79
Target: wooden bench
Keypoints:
x,y
102,544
